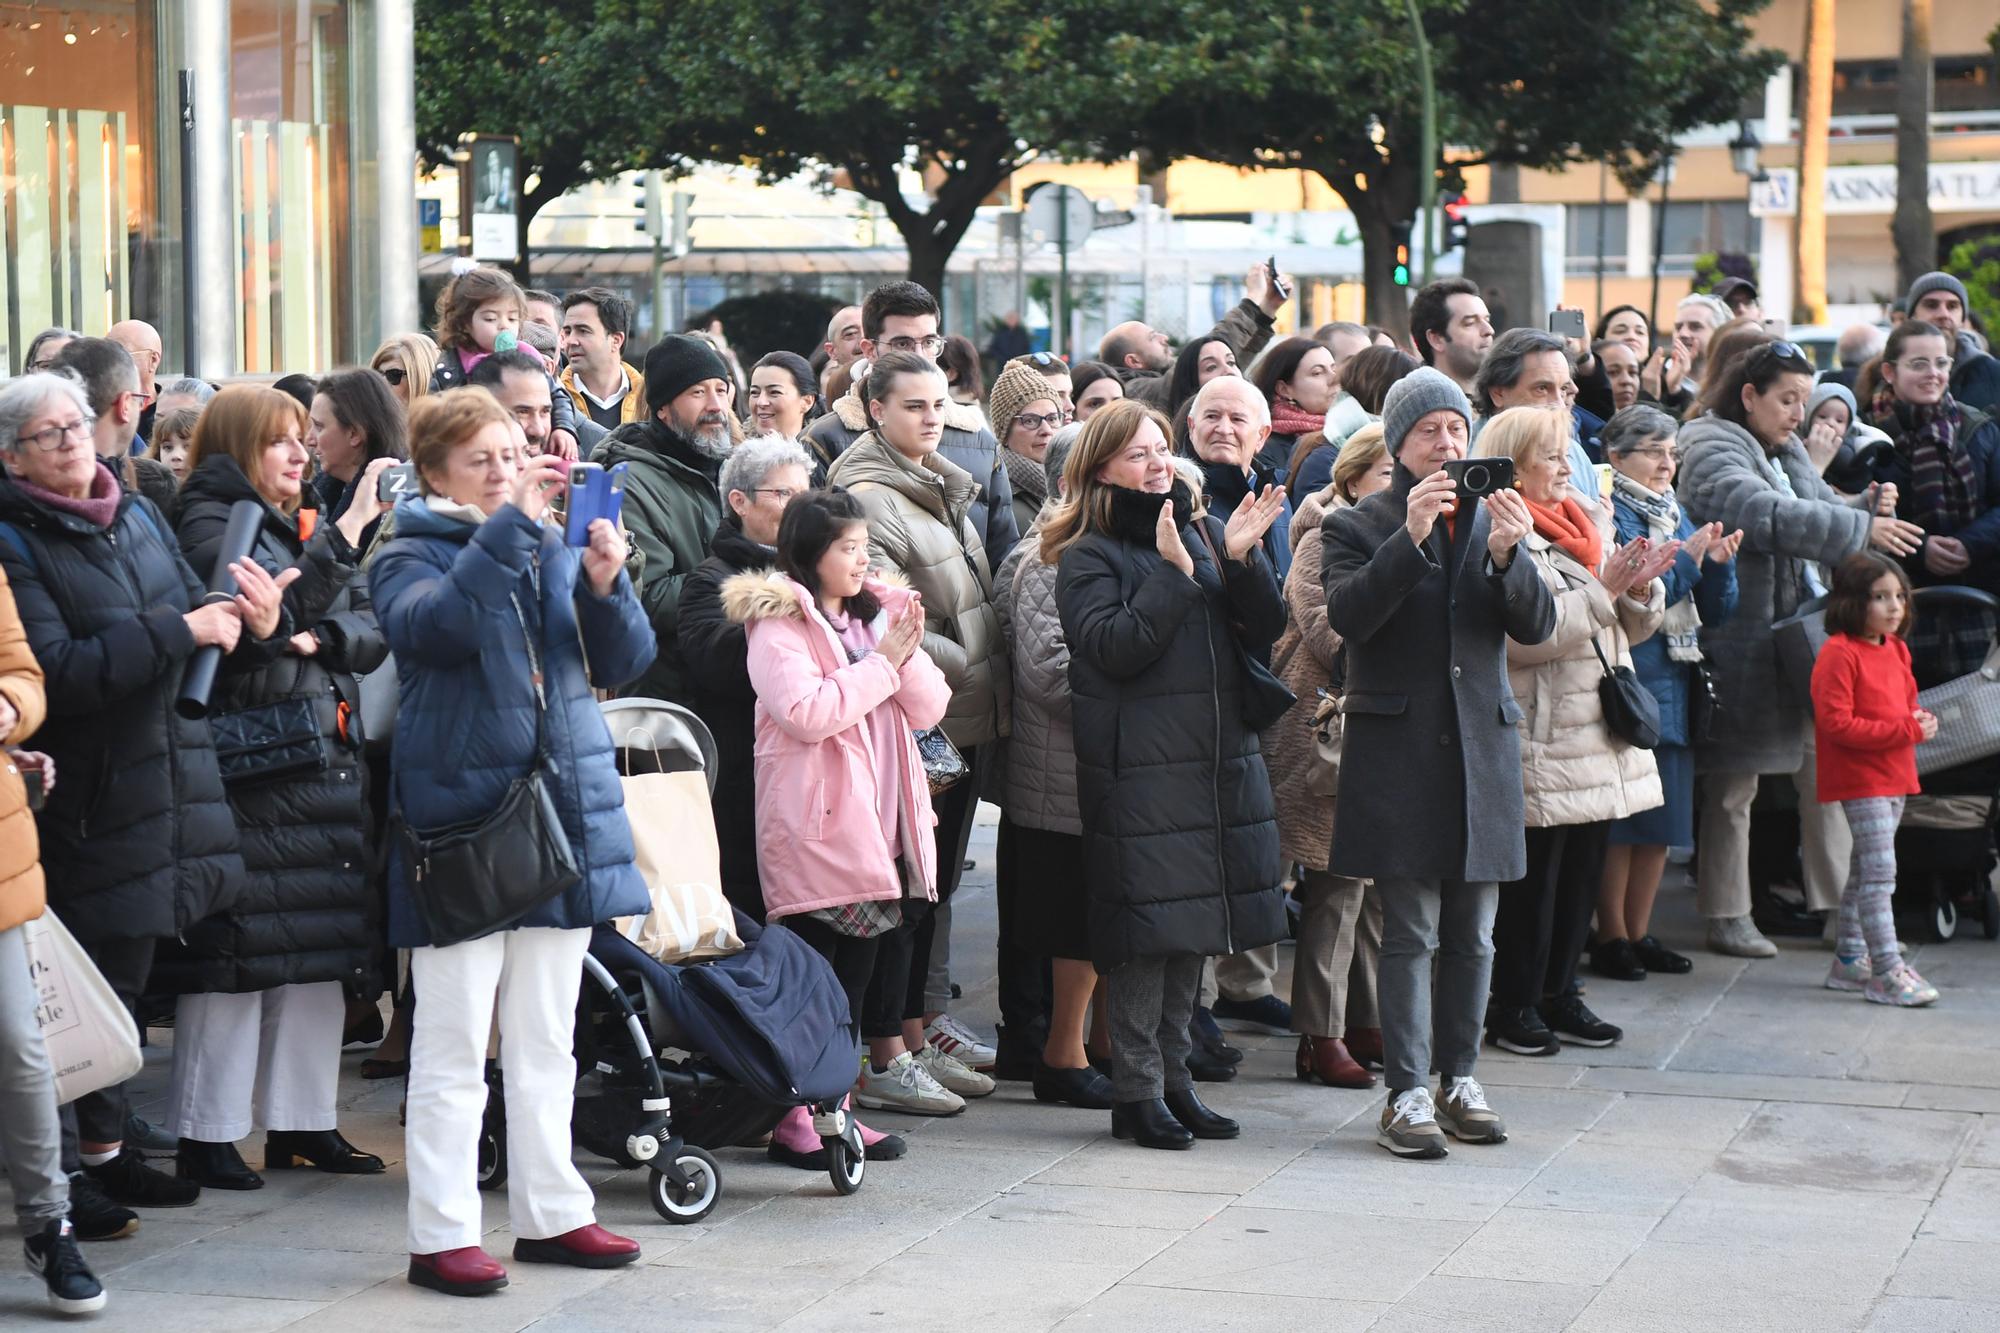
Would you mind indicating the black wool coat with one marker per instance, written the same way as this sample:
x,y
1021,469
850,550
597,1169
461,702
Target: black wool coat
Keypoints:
x,y
1180,830
308,911
1430,770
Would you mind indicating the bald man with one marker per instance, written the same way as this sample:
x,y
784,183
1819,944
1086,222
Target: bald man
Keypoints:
x,y
142,340
1144,359
843,336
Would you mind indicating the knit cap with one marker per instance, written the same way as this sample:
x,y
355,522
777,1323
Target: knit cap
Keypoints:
x,y
1936,282
1415,396
674,364
1015,389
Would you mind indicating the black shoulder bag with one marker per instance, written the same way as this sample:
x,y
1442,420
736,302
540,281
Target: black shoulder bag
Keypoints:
x,y
270,741
1265,697
1630,710
475,878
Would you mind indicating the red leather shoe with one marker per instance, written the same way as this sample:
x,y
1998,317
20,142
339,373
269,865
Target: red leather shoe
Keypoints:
x,y
585,1247
1326,1059
1365,1045
469,1271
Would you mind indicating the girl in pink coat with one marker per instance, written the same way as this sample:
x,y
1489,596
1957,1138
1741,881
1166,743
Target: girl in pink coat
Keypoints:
x,y
845,847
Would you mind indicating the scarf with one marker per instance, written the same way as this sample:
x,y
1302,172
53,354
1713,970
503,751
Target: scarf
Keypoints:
x,y
447,507
99,508
1027,477
1135,515
1662,515
1569,526
1943,483
1290,419
1815,586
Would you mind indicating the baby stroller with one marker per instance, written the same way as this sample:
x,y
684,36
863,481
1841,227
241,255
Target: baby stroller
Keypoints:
x,y
677,1060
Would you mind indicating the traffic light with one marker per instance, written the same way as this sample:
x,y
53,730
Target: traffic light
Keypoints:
x,y
1455,224
1400,272
649,220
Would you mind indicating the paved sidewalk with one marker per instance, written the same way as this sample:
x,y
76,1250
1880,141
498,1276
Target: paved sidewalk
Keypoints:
x,y
1758,1153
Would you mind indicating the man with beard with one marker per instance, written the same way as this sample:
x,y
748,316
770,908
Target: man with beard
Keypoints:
x,y
672,503
1144,359
1452,328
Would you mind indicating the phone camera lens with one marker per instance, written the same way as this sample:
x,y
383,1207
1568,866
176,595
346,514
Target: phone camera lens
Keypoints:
x,y
1477,480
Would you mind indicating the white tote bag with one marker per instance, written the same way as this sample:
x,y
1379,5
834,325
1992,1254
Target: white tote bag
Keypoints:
x,y
92,1040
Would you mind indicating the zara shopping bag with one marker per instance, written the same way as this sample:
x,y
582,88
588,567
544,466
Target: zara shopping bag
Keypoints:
x,y
92,1040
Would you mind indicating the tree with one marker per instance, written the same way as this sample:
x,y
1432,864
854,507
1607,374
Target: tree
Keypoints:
x,y
1916,237
1332,87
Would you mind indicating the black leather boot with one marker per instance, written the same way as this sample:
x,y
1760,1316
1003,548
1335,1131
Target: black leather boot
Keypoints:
x,y
216,1166
1199,1121
1149,1124
323,1148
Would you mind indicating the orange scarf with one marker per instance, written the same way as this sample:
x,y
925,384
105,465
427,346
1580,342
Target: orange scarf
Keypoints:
x,y
1570,527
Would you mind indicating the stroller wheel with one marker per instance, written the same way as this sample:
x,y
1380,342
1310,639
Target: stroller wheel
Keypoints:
x,y
492,1172
693,1196
847,1159
1989,907
1944,920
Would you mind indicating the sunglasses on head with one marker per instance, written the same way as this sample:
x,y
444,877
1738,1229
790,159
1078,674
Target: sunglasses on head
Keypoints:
x,y
1780,350
1043,360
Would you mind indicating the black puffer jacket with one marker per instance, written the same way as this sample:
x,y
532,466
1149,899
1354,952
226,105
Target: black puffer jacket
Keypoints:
x,y
137,839
1180,832
718,677
306,912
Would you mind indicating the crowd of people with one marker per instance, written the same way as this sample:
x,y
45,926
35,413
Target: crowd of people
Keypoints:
x,y
1431,656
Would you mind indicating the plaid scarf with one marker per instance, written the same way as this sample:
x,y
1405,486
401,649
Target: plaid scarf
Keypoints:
x,y
1681,629
1943,485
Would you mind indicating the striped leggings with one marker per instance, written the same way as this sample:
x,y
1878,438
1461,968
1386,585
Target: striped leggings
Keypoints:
x,y
1867,918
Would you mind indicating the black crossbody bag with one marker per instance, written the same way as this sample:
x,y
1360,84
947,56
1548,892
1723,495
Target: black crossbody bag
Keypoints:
x,y
1630,710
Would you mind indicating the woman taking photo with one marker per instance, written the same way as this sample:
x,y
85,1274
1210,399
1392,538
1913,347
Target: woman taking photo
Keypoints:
x,y
1700,588
1577,773
1340,928
1298,380
917,503
355,419
500,632
1025,416
1159,610
257,1034
1742,466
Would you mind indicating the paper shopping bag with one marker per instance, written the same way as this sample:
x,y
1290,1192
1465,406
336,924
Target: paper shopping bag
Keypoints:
x,y
92,1040
673,832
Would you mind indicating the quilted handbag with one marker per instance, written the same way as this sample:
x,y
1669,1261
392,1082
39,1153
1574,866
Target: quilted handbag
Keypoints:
x,y
1968,714
944,766
280,739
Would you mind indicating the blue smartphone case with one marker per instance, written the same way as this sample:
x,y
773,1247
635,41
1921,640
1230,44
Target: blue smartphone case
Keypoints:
x,y
595,492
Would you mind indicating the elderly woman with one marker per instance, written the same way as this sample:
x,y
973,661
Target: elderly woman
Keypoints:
x,y
1340,928
138,839
1025,416
1700,589
1578,774
1742,466
501,632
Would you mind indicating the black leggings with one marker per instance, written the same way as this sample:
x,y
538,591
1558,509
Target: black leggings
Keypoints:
x,y
853,960
876,973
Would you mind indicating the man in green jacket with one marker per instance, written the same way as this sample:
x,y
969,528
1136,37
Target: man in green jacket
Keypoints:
x,y
671,502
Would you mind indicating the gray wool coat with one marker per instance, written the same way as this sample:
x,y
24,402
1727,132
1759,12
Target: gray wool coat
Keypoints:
x,y
1430,771
1722,480
1038,784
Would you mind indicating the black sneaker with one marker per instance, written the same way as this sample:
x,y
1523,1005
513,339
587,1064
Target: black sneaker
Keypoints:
x,y
148,1137
1577,1026
93,1213
1208,1038
1617,959
1521,1031
1207,1069
1657,957
127,1179
54,1258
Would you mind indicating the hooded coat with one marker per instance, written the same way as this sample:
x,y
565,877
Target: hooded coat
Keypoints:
x,y
21,887
445,592
307,908
138,841
1305,659
1180,835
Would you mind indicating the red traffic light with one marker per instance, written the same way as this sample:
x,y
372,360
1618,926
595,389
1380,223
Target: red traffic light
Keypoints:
x,y
1455,207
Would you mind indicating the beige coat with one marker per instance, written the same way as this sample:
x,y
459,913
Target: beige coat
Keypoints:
x,y
1573,770
918,529
1303,659
21,895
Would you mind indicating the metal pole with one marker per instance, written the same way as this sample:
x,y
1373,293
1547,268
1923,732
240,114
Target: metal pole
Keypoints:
x,y
1603,204
190,258
1059,327
1427,181
1659,239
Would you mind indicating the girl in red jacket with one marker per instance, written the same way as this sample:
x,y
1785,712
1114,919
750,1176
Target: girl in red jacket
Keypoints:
x,y
1868,725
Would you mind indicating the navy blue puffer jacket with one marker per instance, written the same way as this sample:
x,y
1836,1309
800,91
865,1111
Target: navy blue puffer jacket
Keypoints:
x,y
465,727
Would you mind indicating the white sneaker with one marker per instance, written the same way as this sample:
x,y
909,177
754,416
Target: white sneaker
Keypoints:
x,y
952,1074
961,1043
905,1086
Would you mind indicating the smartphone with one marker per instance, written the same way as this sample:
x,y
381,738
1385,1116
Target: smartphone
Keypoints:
x,y
31,778
1568,324
1480,477
396,482
1278,284
595,492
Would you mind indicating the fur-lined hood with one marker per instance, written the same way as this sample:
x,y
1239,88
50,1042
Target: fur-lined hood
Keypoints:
x,y
853,413
772,595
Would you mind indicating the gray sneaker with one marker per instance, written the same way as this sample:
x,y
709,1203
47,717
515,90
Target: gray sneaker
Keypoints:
x,y
1738,937
1462,1110
905,1086
1409,1125
952,1074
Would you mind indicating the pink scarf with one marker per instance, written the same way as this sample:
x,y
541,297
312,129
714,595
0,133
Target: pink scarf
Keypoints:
x,y
1289,419
99,509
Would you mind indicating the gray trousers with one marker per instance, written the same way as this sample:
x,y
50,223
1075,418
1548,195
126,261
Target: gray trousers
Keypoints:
x,y
1152,1003
1453,921
30,1136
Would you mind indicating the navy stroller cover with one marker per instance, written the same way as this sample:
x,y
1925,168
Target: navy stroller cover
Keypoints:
x,y
773,1017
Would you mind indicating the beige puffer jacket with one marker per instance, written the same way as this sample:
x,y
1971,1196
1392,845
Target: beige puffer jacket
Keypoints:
x,y
1040,785
918,529
1573,770
1303,659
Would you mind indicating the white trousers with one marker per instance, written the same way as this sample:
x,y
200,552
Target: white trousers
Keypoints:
x,y
268,1058
535,975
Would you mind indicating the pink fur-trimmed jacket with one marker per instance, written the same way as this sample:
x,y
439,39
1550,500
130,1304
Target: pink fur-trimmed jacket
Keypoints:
x,y
819,837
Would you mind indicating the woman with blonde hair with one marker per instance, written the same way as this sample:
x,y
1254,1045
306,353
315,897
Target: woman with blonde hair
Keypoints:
x,y
407,361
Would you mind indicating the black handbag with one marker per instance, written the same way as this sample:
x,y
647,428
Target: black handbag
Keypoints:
x,y
1265,697
1704,708
475,878
1630,710
268,741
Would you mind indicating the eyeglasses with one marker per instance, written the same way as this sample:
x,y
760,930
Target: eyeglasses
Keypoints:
x,y
1780,350
929,346
51,438
1653,452
1037,420
393,374
784,493
1923,365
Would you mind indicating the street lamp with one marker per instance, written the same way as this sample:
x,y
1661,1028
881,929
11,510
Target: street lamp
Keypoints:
x,y
1743,152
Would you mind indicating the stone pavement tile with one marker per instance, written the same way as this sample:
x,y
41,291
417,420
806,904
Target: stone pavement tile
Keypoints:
x,y
25,1305
1984,1150
688,1300
365,1213
1721,1268
1499,1069
1229,1166
1909,1314
1794,1220
1610,1178
1035,1202
1131,1307
1815,1034
1932,1096
1953,1269
1025,1298
534,1291
1646,1120
161,1231
1847,1147
1654,1309
1950,1047
1548,1245
1010,1119
1467,1305
1967,1208
1353,1175
1753,1087
1030,1246
246,1268
1322,1255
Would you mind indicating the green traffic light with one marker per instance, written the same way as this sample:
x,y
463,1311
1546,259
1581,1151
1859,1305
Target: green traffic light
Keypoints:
x,y
1401,275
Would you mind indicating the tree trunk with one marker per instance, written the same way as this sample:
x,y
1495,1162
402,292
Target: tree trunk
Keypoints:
x,y
1809,279
1916,237
549,187
927,260
1386,197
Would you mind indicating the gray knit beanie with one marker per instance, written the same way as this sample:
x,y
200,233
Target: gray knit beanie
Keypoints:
x,y
1936,282
1415,396
1057,457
